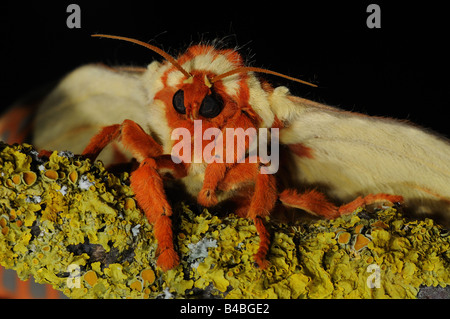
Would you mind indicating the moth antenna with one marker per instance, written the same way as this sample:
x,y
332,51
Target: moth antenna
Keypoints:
x,y
148,46
259,70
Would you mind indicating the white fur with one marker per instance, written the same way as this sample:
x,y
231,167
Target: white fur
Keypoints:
x,y
217,64
357,155
157,120
259,101
88,98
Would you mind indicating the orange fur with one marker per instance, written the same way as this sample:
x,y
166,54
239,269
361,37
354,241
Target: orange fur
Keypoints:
x,y
16,124
262,200
239,175
312,202
145,181
261,205
101,140
301,150
164,162
370,199
138,142
264,197
264,243
45,153
214,173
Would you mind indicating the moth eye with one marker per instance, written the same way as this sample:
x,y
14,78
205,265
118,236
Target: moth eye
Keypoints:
x,y
211,106
178,102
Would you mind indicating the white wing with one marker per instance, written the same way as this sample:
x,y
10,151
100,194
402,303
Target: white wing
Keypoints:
x,y
352,154
88,98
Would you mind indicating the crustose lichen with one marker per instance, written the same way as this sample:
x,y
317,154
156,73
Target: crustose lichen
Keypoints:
x,y
68,222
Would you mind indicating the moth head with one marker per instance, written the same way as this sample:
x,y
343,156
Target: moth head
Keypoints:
x,y
201,88
197,98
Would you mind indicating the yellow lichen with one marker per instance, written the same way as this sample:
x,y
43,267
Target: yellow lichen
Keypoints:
x,y
81,222
91,278
16,179
136,285
73,177
148,275
51,175
344,237
29,178
361,241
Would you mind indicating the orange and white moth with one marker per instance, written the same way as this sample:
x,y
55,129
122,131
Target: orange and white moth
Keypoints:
x,y
326,155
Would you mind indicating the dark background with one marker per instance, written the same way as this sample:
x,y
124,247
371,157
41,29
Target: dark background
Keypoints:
x,y
400,70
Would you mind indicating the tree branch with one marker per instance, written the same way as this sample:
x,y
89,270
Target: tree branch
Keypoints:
x,y
68,222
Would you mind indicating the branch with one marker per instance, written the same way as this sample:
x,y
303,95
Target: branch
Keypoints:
x,y
68,222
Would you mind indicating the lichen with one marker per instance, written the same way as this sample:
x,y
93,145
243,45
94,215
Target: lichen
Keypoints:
x,y
67,213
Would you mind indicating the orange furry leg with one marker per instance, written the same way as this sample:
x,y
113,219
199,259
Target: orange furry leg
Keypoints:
x,y
143,146
135,139
101,140
264,243
147,184
214,173
312,202
240,204
350,207
259,201
165,163
261,205
371,199
45,153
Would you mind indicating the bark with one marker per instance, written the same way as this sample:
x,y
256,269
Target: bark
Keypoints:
x,y
70,223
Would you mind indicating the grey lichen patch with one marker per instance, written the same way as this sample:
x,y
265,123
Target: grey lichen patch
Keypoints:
x,y
67,213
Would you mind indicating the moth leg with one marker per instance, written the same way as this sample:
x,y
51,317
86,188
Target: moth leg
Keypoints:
x,y
214,173
143,146
45,153
147,184
371,199
262,200
138,142
312,202
99,141
166,165
146,181
132,136
261,205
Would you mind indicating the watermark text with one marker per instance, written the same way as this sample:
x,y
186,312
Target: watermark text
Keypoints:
x,y
235,146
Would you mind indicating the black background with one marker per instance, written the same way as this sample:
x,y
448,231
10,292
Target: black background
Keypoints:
x,y
400,70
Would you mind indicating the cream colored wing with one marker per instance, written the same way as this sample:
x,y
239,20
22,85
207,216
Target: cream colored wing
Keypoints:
x,y
352,154
88,98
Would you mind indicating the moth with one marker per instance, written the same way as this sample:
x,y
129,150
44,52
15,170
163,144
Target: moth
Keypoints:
x,y
331,161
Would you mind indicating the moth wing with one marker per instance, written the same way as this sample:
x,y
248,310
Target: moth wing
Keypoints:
x,y
85,100
349,154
